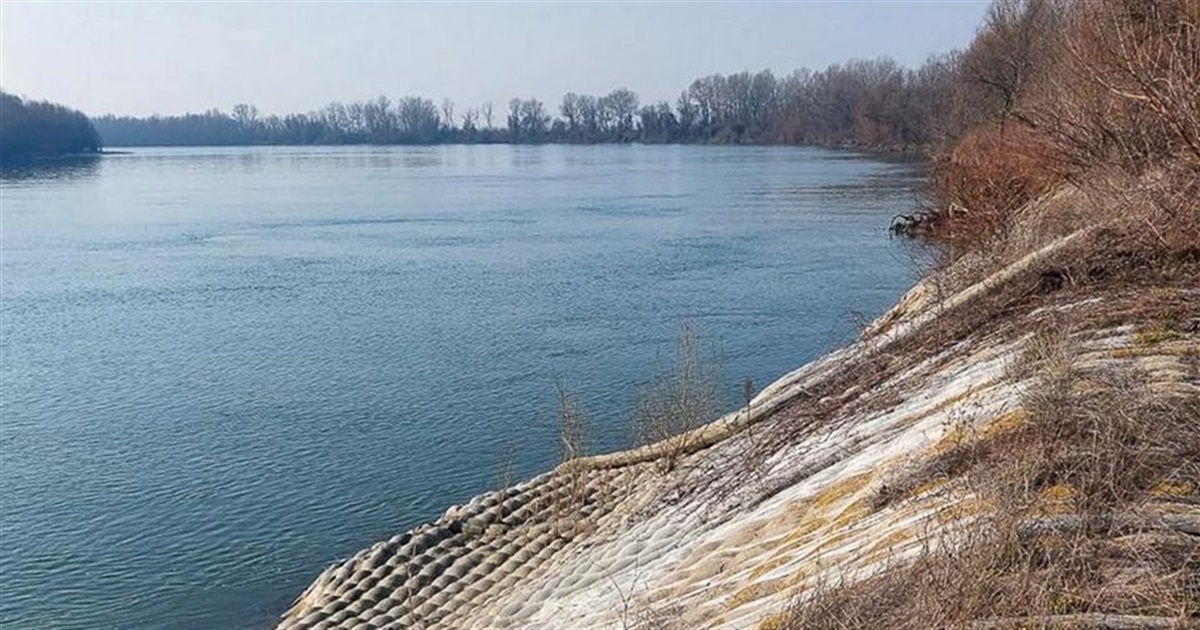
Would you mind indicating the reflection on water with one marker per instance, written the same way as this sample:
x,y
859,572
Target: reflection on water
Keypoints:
x,y
58,170
213,159
224,368
423,157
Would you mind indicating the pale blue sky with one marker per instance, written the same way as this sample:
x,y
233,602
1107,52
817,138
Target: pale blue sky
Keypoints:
x,y
159,57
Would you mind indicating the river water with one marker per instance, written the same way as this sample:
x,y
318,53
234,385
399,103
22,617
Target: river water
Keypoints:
x,y
222,369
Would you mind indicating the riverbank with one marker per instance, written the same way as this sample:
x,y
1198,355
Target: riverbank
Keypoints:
x,y
1014,445
852,467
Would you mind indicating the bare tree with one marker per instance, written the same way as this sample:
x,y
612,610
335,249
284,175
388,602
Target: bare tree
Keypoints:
x,y
486,110
470,119
418,119
244,114
589,115
378,120
622,104
570,111
448,113
514,119
1017,38
527,120
686,109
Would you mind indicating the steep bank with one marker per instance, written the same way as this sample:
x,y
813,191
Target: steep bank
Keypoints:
x,y
1015,445
847,469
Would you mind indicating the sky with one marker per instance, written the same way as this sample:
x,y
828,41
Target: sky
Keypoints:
x,y
144,58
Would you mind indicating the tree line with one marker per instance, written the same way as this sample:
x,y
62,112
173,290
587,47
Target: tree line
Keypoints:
x,y
33,129
868,103
1100,95
875,103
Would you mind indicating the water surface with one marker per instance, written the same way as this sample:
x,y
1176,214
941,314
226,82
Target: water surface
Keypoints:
x,y
222,369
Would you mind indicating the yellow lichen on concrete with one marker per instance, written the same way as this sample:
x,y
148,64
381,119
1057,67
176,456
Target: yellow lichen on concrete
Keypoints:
x,y
1172,489
841,490
742,596
1004,424
959,510
772,564
889,541
774,622
1056,499
755,591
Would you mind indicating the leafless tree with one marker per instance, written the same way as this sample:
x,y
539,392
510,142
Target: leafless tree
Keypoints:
x,y
448,113
486,110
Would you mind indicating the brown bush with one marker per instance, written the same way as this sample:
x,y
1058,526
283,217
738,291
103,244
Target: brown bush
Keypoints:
x,y
1123,113
1124,90
986,178
995,165
1102,94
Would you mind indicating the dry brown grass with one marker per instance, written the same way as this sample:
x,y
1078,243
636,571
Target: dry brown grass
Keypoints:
x,y
677,400
1076,535
573,432
1094,495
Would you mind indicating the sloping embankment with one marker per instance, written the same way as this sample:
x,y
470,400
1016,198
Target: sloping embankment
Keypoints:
x,y
824,478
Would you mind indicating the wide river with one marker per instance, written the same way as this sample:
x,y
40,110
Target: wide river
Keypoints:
x,y
223,369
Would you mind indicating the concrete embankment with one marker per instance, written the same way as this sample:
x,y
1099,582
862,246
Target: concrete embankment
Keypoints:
x,y
818,481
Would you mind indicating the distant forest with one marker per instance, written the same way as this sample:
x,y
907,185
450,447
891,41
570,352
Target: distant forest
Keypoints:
x,y
33,129
866,103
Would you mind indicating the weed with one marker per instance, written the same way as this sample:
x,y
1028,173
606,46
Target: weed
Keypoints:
x,y
1100,445
677,401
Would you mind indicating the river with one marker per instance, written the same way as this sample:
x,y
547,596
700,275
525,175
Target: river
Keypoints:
x,y
222,369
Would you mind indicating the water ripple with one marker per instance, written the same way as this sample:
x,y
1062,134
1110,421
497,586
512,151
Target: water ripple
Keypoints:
x,y
224,369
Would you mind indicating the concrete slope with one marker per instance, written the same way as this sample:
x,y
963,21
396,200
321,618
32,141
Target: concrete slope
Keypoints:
x,y
809,485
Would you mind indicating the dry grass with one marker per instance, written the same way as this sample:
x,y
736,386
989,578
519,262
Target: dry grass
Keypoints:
x,y
1075,536
504,474
677,400
573,426
573,431
1107,101
1094,493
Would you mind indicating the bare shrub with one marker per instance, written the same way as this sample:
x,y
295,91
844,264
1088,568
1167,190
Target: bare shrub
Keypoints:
x,y
504,474
986,178
1124,90
573,431
996,165
1100,93
640,612
1122,110
677,401
1013,48
573,426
